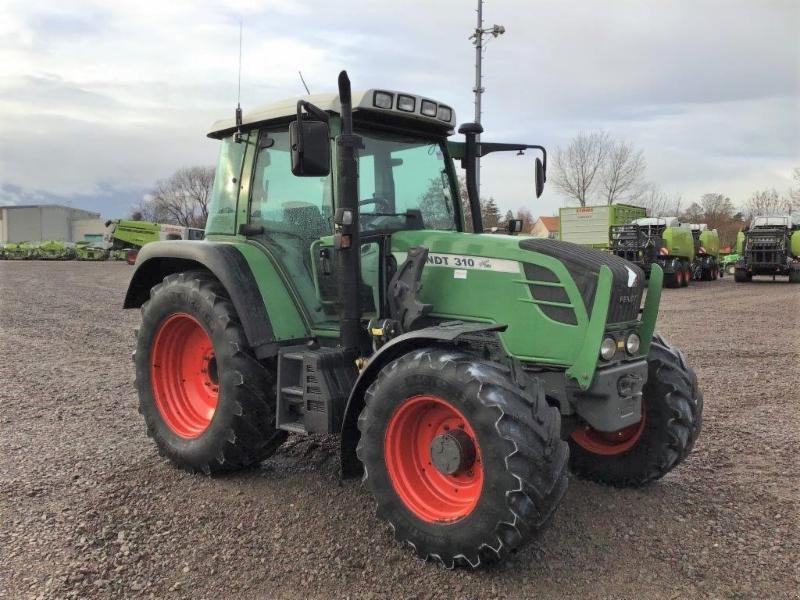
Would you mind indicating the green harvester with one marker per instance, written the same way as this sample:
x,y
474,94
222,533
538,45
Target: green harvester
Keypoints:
x,y
337,291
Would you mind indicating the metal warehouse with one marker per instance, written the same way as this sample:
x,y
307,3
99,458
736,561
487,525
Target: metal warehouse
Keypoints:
x,y
35,223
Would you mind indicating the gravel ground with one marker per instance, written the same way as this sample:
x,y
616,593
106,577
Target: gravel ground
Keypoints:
x,y
88,509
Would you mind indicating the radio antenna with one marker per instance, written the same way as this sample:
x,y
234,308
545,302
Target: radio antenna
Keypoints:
x,y
238,136
308,93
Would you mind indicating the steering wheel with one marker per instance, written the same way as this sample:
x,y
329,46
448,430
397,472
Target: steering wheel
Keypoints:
x,y
381,204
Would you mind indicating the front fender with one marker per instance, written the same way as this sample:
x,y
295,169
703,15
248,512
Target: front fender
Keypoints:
x,y
156,260
445,333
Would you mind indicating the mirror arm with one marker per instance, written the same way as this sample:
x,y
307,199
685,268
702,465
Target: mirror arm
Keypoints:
x,y
487,148
314,111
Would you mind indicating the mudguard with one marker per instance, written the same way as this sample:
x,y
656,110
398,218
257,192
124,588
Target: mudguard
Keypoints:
x,y
443,333
156,260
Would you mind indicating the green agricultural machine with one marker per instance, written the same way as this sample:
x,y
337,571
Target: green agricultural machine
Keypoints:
x,y
706,265
90,251
771,246
591,225
658,241
126,237
337,292
56,250
21,251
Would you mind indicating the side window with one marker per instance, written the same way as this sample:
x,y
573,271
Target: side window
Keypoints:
x,y
281,202
224,194
295,213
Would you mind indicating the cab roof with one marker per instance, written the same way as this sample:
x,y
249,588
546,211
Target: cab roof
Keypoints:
x,y
372,100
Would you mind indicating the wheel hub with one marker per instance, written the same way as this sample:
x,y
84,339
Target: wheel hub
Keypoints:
x,y
452,452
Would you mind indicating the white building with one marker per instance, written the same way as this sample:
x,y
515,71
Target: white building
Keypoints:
x,y
36,223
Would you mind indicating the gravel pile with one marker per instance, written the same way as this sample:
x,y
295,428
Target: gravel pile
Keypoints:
x,y
88,509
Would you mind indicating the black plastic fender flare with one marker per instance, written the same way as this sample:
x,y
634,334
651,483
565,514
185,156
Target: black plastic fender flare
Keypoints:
x,y
444,333
156,260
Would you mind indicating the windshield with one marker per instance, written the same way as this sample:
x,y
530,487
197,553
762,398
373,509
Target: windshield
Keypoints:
x,y
403,183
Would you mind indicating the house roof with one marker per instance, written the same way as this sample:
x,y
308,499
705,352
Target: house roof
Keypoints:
x,y
552,223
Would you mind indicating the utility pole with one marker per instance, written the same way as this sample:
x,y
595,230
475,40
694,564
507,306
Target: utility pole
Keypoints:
x,y
477,37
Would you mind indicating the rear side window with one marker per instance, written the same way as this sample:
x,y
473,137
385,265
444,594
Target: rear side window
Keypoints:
x,y
225,193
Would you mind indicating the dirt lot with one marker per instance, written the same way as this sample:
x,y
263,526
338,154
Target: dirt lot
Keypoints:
x,y
88,509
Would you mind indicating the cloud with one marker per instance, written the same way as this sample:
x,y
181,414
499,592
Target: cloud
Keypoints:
x,y
101,99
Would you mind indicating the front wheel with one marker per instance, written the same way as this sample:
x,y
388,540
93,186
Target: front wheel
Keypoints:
x,y
207,402
672,409
464,465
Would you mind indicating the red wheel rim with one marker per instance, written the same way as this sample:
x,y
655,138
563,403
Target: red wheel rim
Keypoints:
x,y
429,494
609,443
183,371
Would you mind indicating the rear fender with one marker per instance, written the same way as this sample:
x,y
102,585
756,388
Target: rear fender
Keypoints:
x,y
156,260
445,333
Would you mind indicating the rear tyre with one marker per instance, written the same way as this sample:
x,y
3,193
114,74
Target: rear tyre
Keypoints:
x,y
506,467
794,275
740,275
207,402
672,409
672,280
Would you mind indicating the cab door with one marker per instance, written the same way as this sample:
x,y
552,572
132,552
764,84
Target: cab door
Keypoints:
x,y
291,216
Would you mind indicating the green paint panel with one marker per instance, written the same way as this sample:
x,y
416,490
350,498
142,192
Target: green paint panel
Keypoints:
x,y
709,239
499,296
679,242
287,322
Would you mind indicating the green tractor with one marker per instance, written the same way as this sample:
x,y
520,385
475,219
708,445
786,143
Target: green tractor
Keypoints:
x,y
56,250
337,292
657,241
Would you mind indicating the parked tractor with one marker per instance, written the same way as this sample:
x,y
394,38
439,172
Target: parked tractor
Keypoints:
x,y
338,292
657,241
771,246
706,265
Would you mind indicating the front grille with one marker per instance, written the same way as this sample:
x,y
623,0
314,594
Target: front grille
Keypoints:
x,y
584,265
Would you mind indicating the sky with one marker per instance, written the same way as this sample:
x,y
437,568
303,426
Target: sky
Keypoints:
x,y
99,100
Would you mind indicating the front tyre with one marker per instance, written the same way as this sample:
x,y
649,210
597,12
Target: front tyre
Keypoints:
x,y
464,465
207,402
672,408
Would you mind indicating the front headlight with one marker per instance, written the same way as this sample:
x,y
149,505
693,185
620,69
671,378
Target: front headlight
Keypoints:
x,y
608,348
632,344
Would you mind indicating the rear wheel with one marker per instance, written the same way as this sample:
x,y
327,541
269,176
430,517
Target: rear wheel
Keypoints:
x,y
687,275
741,275
207,402
672,408
464,465
794,274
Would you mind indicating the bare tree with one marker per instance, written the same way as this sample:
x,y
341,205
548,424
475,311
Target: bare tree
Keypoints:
x,y
717,209
181,199
622,173
767,202
578,166
658,202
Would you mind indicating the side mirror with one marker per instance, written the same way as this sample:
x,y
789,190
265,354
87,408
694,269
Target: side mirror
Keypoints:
x,y
514,226
311,150
540,176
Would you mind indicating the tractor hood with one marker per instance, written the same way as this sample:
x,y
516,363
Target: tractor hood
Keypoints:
x,y
524,282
